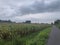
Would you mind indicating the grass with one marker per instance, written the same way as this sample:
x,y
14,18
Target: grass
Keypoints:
x,y
40,38
24,34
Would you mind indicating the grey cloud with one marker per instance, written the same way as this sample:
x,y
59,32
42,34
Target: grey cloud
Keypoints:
x,y
40,7
9,9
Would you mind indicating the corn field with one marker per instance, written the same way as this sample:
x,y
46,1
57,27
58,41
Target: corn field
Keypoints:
x,y
19,34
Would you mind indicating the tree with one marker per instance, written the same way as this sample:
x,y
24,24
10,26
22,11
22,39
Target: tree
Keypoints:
x,y
57,22
28,21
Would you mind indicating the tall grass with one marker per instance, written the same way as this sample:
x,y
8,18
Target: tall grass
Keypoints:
x,y
20,34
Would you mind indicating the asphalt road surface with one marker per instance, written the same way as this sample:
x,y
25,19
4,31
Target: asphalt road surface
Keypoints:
x,y
54,38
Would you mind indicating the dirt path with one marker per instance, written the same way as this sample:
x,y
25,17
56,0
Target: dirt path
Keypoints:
x,y
54,38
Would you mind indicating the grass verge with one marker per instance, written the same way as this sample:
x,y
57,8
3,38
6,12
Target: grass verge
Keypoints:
x,y
40,38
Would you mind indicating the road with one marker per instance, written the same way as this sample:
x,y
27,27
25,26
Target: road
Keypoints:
x,y
54,38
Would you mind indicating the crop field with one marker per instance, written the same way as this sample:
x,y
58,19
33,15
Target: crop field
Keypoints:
x,y
24,34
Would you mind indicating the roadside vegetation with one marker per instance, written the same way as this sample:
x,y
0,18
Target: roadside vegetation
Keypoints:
x,y
57,23
24,34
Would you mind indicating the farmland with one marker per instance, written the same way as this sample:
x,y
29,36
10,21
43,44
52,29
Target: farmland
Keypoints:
x,y
24,34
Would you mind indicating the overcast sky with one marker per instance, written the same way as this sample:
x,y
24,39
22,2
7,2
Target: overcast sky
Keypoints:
x,y
34,10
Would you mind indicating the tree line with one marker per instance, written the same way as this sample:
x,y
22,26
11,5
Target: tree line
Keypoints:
x,y
9,21
57,22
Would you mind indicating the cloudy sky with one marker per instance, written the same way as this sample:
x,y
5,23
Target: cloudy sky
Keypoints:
x,y
37,11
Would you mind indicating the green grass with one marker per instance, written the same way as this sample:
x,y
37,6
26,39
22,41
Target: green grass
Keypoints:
x,y
40,38
24,34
